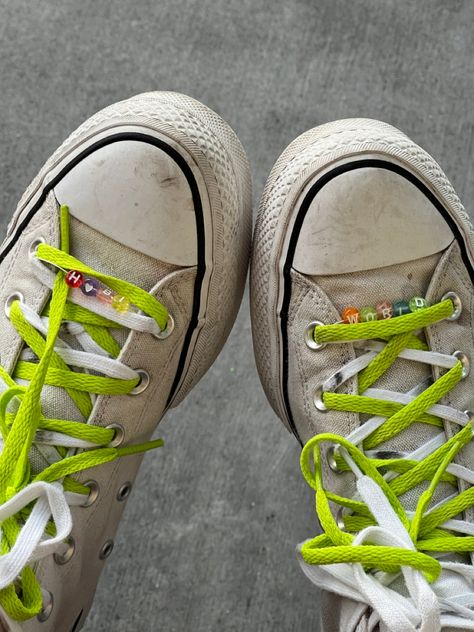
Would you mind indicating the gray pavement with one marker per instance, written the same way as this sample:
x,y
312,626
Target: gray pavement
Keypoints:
x,y
208,539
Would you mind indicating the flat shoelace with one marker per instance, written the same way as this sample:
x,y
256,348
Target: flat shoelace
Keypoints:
x,y
19,488
382,481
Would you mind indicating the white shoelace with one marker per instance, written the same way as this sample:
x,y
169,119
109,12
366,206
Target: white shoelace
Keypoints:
x,y
52,502
428,607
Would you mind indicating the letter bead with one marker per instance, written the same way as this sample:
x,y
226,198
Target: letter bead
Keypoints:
x,y
90,287
120,303
105,295
384,310
350,315
417,303
368,314
74,278
400,308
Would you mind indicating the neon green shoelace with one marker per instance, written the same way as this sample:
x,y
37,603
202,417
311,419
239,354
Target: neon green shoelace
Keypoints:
x,y
23,599
335,545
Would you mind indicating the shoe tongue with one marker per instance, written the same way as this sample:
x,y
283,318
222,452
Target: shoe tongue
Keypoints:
x,y
112,258
392,283
369,287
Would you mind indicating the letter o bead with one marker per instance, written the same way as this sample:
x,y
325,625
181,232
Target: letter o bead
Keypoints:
x,y
368,314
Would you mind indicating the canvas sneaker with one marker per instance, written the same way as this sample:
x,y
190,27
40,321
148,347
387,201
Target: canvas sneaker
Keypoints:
x,y
121,276
362,316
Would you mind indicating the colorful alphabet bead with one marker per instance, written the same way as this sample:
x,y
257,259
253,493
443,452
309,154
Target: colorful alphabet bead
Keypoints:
x,y
417,303
384,310
74,278
105,295
120,303
90,287
368,314
350,315
400,308
93,288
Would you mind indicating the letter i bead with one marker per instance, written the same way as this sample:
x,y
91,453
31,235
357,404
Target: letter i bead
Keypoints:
x,y
400,308
120,303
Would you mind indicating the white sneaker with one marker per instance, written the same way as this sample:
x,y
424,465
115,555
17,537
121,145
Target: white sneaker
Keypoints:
x,y
362,314
141,223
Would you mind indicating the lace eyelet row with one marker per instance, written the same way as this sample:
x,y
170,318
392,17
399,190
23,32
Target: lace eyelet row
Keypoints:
x,y
63,558
90,287
382,311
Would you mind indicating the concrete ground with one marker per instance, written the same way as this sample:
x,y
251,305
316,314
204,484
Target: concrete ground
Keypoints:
x,y
208,539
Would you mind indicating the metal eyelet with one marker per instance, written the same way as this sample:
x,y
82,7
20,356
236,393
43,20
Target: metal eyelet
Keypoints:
x,y
318,400
339,518
64,558
93,493
464,360
106,550
331,454
457,305
119,435
124,491
168,330
47,608
142,384
309,336
470,414
34,246
16,296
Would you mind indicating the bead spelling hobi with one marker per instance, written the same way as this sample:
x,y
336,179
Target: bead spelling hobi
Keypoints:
x,y
93,288
90,287
105,295
74,278
120,303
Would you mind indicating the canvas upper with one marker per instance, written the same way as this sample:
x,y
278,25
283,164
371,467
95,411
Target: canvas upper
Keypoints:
x,y
354,214
150,198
